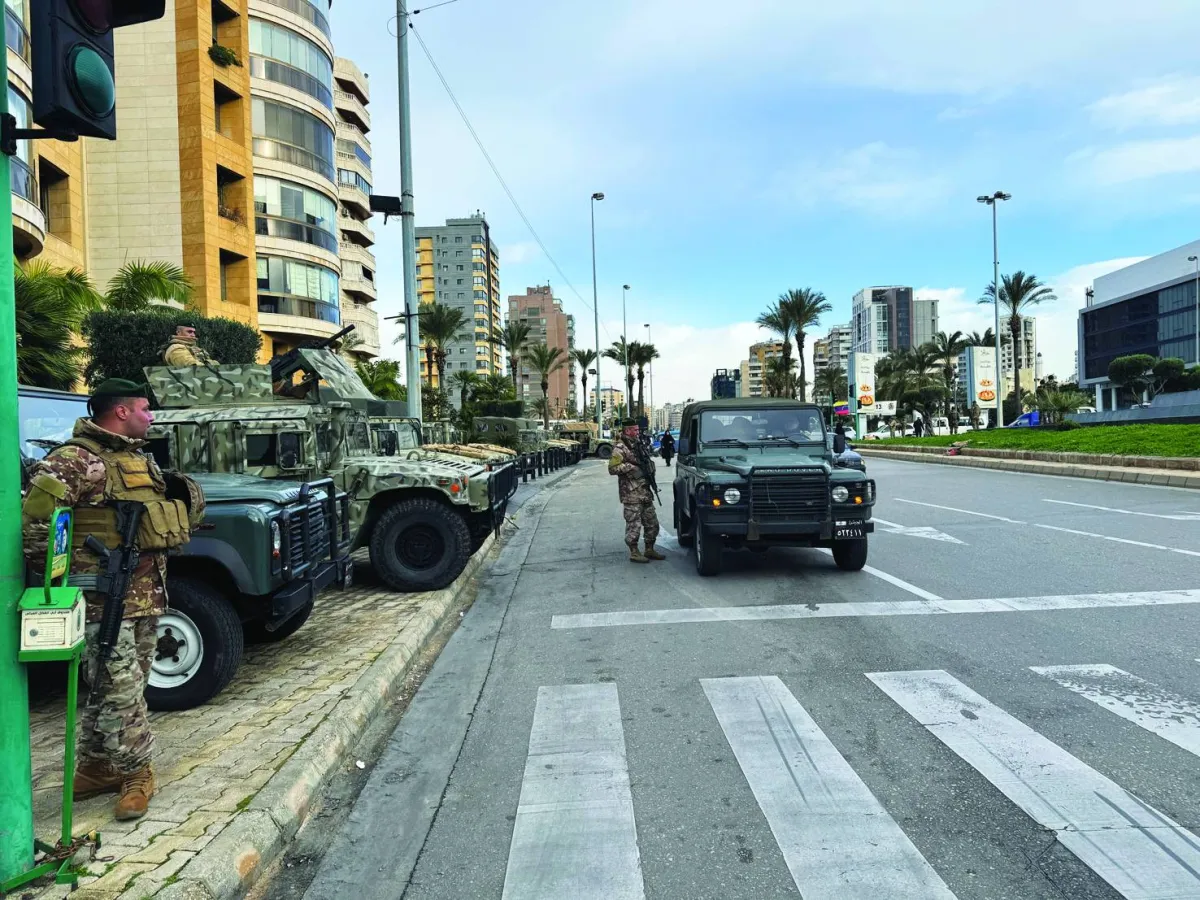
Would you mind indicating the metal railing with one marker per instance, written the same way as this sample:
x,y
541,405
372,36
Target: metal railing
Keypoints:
x,y
290,76
277,226
275,304
307,11
268,148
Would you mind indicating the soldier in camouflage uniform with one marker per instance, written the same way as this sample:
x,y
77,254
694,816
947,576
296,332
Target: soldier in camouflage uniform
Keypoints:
x,y
102,462
184,351
636,496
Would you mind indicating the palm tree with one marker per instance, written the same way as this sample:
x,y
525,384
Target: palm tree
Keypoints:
x,y
987,339
777,376
138,284
1018,292
778,319
493,388
438,323
465,380
585,359
805,308
512,337
545,360
382,378
640,356
946,348
50,306
623,353
831,382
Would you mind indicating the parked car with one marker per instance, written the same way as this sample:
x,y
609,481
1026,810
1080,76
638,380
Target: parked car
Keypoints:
x,y
1026,420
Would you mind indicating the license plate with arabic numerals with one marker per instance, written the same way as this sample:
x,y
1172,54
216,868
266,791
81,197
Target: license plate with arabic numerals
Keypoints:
x,y
848,530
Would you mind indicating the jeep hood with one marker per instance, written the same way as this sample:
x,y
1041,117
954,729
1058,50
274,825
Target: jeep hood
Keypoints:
x,y
218,487
742,461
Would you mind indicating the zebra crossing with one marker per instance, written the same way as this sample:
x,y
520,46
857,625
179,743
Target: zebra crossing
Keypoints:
x,y
575,832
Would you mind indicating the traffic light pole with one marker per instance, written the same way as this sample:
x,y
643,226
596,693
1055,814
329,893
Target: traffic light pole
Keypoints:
x,y
16,778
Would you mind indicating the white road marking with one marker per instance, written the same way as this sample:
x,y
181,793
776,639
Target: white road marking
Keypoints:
x,y
575,835
891,579
1169,715
921,531
1135,848
937,606
1176,517
837,840
1117,540
966,512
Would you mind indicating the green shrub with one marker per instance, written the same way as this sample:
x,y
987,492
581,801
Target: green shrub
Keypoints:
x,y
120,344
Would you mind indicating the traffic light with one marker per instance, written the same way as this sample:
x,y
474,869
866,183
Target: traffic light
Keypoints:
x,y
74,84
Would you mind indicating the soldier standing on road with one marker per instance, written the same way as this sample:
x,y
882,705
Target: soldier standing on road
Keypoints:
x,y
636,496
100,463
183,349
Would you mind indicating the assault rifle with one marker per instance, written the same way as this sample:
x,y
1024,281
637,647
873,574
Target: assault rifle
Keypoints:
x,y
645,462
282,366
119,565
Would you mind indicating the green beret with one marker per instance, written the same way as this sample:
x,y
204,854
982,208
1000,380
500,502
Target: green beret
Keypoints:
x,y
629,423
120,387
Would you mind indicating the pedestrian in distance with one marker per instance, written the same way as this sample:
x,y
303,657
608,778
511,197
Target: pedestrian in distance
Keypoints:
x,y
918,427
634,469
100,465
666,445
183,349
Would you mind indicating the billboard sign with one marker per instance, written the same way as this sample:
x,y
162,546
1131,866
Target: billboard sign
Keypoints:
x,y
984,392
862,382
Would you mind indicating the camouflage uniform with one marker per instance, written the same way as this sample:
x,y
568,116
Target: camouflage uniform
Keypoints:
x,y
114,728
636,496
184,351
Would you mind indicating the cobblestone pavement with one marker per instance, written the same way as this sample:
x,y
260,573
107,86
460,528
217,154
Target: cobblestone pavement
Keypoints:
x,y
212,760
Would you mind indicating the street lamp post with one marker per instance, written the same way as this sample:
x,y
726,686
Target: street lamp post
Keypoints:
x,y
650,343
992,201
1196,260
625,339
596,309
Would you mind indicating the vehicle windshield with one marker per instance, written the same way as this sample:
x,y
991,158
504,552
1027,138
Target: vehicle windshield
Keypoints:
x,y
47,419
762,425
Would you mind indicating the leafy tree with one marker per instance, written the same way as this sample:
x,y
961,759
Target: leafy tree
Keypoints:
x,y
438,323
50,308
382,378
585,359
466,381
137,285
1055,404
1019,293
545,361
640,356
1134,372
120,344
805,308
1166,371
512,338
831,382
435,403
778,320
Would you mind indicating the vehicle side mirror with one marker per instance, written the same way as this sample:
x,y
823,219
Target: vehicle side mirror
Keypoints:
x,y
289,451
683,446
839,444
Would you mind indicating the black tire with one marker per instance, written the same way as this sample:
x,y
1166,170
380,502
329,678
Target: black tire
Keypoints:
x,y
850,556
193,674
420,545
708,553
604,451
480,526
256,632
683,529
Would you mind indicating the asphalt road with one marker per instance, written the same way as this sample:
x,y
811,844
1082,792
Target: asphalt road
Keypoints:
x,y
1006,704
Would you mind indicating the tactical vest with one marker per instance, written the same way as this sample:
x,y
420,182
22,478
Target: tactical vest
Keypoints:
x,y
130,475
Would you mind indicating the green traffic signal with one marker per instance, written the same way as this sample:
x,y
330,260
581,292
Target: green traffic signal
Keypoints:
x,y
91,81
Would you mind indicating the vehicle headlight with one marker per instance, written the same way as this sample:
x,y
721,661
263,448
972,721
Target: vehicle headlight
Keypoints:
x,y
733,495
276,540
840,494
870,492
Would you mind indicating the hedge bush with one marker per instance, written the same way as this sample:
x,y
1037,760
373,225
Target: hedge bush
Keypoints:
x,y
120,344
502,409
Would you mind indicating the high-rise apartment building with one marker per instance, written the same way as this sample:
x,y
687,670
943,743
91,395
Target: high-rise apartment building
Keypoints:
x,y
458,266
224,165
611,400
840,341
548,325
1027,350
757,364
891,318
726,383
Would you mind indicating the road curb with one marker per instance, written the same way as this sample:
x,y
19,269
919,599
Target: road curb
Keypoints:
x,y
236,858
1127,474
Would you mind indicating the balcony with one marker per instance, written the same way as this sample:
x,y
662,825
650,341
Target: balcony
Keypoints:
x,y
299,307
265,148
350,132
289,76
358,285
276,226
355,198
28,220
352,110
353,253
359,232
306,11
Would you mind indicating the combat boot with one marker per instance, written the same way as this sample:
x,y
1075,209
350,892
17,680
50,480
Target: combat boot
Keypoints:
x,y
95,777
135,795
651,553
635,555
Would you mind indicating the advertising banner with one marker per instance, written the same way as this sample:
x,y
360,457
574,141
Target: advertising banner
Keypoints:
x,y
885,407
983,377
862,382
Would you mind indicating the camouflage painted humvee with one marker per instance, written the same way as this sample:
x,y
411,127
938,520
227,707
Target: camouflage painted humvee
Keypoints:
x,y
308,415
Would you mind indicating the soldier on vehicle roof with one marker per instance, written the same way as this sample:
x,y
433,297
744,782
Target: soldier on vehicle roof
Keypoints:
x,y
103,462
182,350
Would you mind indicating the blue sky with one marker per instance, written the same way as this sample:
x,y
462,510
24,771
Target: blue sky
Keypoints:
x,y
749,148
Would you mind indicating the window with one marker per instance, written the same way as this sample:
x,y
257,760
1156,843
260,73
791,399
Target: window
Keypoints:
x,y
462,351
459,267
292,287
481,364
458,254
459,295
476,254
292,135
261,450
458,281
478,281
353,179
458,239
289,210
481,308
305,66
54,198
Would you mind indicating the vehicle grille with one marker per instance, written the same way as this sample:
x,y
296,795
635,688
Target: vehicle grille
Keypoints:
x,y
790,498
306,536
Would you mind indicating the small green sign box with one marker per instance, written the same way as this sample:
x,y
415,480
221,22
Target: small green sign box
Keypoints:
x,y
52,616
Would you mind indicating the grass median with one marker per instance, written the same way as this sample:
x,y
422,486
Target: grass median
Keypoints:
x,y
1120,440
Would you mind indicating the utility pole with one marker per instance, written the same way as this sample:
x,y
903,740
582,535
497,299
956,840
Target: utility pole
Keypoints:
x,y
412,330
1196,260
16,779
596,309
650,342
993,201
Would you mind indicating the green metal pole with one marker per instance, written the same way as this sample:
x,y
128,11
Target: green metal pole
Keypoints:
x,y
68,794
16,777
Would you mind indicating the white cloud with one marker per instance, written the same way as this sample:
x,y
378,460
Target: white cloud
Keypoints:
x,y
1168,101
873,177
1137,160
520,252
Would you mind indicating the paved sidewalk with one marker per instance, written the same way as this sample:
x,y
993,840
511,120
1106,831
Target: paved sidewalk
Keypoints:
x,y
1165,477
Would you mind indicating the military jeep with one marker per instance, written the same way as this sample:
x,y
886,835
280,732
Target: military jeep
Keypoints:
x,y
756,473
587,435
252,571
309,415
